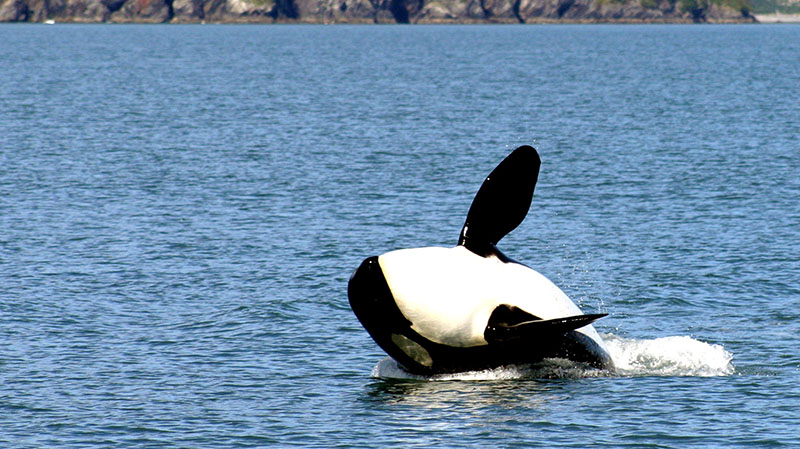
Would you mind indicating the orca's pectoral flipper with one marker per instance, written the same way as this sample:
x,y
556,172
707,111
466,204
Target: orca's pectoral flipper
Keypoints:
x,y
502,202
502,332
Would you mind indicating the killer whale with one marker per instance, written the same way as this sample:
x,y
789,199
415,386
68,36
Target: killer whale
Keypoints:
x,y
445,310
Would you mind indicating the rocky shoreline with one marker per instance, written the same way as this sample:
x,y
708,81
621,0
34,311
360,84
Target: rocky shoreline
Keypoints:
x,y
375,11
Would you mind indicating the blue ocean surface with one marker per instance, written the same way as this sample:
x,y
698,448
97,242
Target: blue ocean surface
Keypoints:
x,y
181,207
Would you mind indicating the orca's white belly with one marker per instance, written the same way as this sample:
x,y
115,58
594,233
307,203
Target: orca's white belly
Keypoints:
x,y
449,294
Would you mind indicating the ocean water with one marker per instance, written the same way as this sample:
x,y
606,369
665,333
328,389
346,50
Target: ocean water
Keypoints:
x,y
181,208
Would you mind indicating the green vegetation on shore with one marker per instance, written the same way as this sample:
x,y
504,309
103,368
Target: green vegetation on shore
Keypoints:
x,y
773,6
696,5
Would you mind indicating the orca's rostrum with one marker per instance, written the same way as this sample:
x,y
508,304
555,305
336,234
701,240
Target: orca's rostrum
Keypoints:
x,y
446,310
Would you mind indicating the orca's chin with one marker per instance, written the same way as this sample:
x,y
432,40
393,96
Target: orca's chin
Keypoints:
x,y
579,347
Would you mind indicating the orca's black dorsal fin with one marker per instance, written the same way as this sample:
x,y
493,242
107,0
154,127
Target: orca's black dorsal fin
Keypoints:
x,y
502,202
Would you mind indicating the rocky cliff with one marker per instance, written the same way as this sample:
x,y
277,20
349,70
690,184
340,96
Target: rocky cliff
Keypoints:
x,y
375,11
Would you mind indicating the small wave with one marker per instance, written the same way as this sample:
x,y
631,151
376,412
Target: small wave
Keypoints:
x,y
668,356
388,368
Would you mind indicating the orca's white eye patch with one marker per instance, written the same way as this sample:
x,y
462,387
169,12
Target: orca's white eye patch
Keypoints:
x,y
413,350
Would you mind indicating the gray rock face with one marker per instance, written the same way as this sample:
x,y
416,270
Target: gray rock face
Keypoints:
x,y
334,11
77,10
13,11
144,11
187,11
370,11
65,10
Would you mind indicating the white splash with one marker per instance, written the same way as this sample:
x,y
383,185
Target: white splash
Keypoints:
x,y
667,356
